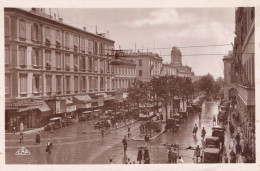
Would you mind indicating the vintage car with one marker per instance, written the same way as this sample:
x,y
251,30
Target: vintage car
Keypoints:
x,y
177,117
212,151
183,114
171,125
69,120
156,126
219,131
54,123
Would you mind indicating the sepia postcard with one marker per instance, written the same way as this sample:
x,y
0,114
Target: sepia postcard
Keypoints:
x,y
114,85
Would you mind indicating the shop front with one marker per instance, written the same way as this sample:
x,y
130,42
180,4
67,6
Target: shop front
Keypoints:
x,y
83,103
70,108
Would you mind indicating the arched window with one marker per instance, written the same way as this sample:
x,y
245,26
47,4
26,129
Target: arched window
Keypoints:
x,y
67,42
58,36
82,44
35,31
95,48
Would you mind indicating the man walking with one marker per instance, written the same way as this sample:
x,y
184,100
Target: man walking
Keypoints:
x,y
21,137
124,141
49,146
195,129
214,120
147,139
102,132
203,133
38,138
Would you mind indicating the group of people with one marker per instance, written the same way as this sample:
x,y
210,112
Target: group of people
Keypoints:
x,y
143,155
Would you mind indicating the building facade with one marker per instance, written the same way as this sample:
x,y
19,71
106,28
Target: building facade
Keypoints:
x,y
244,72
46,60
148,65
176,57
168,69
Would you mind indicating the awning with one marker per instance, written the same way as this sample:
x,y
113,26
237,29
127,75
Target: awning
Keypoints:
x,y
125,95
82,98
68,102
44,107
104,94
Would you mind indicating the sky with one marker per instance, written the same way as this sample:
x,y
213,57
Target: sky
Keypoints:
x,y
159,29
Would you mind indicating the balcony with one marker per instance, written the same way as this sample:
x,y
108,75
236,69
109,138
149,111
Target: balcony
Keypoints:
x,y
247,94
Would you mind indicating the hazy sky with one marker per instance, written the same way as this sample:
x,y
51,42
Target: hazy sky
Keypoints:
x,y
166,27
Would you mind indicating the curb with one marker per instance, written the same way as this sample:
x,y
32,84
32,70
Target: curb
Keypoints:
x,y
28,132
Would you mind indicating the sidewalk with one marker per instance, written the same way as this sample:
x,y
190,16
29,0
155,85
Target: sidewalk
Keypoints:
x,y
27,131
154,135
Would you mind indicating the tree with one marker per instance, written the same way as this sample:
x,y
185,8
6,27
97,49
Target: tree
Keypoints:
x,y
186,88
138,92
206,83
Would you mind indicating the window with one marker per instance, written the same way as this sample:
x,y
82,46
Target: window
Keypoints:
x,y
7,84
22,56
82,44
108,66
84,84
67,42
96,83
58,60
76,84
23,84
90,64
95,48
58,84
140,62
108,83
76,41
95,65
90,46
22,29
35,57
67,84
48,84
101,83
36,84
48,58
36,36
48,34
7,26
7,55
101,65
58,39
76,62
101,49
90,83
140,73
83,62
67,60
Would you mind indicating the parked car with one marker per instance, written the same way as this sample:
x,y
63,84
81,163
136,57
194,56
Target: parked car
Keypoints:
x,y
69,120
219,131
213,151
54,123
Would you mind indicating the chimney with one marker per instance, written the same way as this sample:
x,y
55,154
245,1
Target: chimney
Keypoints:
x,y
60,20
84,28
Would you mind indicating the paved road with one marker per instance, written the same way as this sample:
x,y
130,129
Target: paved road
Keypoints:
x,y
73,147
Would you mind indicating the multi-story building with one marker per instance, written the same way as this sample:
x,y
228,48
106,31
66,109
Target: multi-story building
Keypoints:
x,y
244,62
176,57
184,71
168,69
49,61
147,64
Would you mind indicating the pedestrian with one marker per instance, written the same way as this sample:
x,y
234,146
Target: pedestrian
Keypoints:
x,y
232,157
21,137
129,133
116,127
102,132
242,143
140,155
203,133
147,139
238,151
146,156
231,144
225,158
140,127
49,146
38,138
238,129
175,156
195,129
21,127
110,161
240,159
197,153
237,138
14,129
180,160
124,141
170,156
214,120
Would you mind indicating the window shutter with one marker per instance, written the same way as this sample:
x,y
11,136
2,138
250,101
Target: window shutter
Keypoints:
x,y
40,84
34,84
33,58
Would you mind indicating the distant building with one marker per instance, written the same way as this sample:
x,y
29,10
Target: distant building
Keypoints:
x,y
176,57
168,69
148,65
